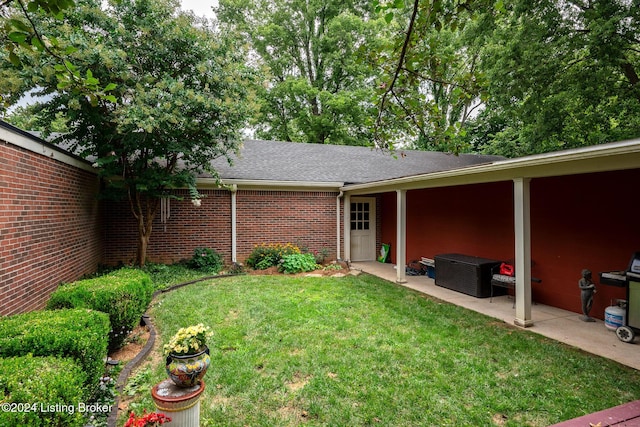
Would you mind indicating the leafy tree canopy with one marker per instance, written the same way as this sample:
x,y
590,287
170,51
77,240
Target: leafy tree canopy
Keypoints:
x,y
562,74
514,78
20,33
179,89
318,84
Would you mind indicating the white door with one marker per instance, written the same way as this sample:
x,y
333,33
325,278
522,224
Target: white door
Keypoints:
x,y
363,229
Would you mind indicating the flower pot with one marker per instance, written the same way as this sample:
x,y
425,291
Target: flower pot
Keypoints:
x,y
187,370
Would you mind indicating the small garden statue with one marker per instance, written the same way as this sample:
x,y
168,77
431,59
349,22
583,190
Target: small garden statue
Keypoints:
x,y
587,289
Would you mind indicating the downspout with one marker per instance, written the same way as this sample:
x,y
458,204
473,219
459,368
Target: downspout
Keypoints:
x,y
338,225
234,234
346,213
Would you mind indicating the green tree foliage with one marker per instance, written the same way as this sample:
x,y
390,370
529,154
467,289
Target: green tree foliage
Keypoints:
x,y
561,74
22,36
513,78
180,89
26,117
318,82
433,85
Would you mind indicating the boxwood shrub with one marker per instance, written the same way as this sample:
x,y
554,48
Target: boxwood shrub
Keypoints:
x,y
123,294
79,334
41,391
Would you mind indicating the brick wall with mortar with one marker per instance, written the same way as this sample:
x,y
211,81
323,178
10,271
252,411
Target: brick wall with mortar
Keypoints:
x,y
186,227
305,218
49,227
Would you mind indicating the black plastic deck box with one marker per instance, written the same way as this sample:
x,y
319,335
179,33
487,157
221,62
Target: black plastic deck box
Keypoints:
x,y
468,274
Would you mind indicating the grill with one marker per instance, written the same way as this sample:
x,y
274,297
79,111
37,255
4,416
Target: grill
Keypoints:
x,y
629,278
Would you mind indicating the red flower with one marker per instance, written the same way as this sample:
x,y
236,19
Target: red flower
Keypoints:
x,y
152,419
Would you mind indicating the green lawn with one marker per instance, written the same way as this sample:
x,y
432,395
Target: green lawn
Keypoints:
x,y
359,351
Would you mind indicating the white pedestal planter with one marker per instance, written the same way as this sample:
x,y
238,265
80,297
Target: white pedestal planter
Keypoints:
x,y
181,404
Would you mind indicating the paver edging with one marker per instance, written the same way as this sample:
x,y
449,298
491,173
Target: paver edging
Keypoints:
x,y
145,320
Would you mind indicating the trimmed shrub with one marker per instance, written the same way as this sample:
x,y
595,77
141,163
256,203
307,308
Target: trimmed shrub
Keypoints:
x,y
207,260
41,391
123,294
298,263
264,255
79,334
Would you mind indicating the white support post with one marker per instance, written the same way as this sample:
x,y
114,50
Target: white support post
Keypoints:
x,y
522,222
347,227
401,236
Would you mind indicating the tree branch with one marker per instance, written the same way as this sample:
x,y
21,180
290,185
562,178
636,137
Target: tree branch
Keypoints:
x,y
403,54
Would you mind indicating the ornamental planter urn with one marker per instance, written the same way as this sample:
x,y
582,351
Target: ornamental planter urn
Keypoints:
x,y
186,370
188,355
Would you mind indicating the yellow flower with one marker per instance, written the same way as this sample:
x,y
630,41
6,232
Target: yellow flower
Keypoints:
x,y
188,340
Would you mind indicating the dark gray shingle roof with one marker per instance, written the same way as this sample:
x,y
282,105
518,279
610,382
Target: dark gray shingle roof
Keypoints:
x,y
293,161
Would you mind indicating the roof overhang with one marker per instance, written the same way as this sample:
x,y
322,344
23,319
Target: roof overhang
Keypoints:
x,y
27,141
599,158
268,185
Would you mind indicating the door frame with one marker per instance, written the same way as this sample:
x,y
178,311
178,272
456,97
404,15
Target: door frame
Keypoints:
x,y
371,251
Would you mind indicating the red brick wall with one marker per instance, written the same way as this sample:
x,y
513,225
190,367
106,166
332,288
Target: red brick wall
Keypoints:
x,y
49,227
187,227
306,218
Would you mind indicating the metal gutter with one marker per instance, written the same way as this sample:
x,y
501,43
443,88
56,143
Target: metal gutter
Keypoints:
x,y
250,184
599,158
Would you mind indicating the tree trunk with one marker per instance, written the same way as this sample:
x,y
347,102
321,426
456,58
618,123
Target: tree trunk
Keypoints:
x,y
144,235
144,210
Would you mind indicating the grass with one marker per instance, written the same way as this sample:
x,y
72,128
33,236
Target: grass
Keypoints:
x,y
163,276
360,351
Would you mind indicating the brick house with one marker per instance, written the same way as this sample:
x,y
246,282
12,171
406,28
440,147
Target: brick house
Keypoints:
x,y
550,214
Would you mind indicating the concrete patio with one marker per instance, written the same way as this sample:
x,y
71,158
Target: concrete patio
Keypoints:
x,y
561,325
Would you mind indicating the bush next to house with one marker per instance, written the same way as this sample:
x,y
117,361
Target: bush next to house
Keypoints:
x,y
79,334
298,263
41,391
265,255
123,294
207,260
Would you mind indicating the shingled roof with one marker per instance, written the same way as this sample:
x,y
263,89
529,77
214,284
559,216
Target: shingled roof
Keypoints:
x,y
269,161
300,162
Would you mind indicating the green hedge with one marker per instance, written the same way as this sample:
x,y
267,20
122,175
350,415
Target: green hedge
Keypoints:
x,y
80,334
41,391
123,294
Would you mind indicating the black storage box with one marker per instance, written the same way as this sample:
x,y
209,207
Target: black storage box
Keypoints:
x,y
464,273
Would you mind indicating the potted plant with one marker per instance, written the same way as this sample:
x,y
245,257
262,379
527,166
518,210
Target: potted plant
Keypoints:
x,y
188,355
152,419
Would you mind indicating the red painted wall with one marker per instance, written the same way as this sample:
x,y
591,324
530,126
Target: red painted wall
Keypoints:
x,y
49,227
305,218
582,221
473,219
